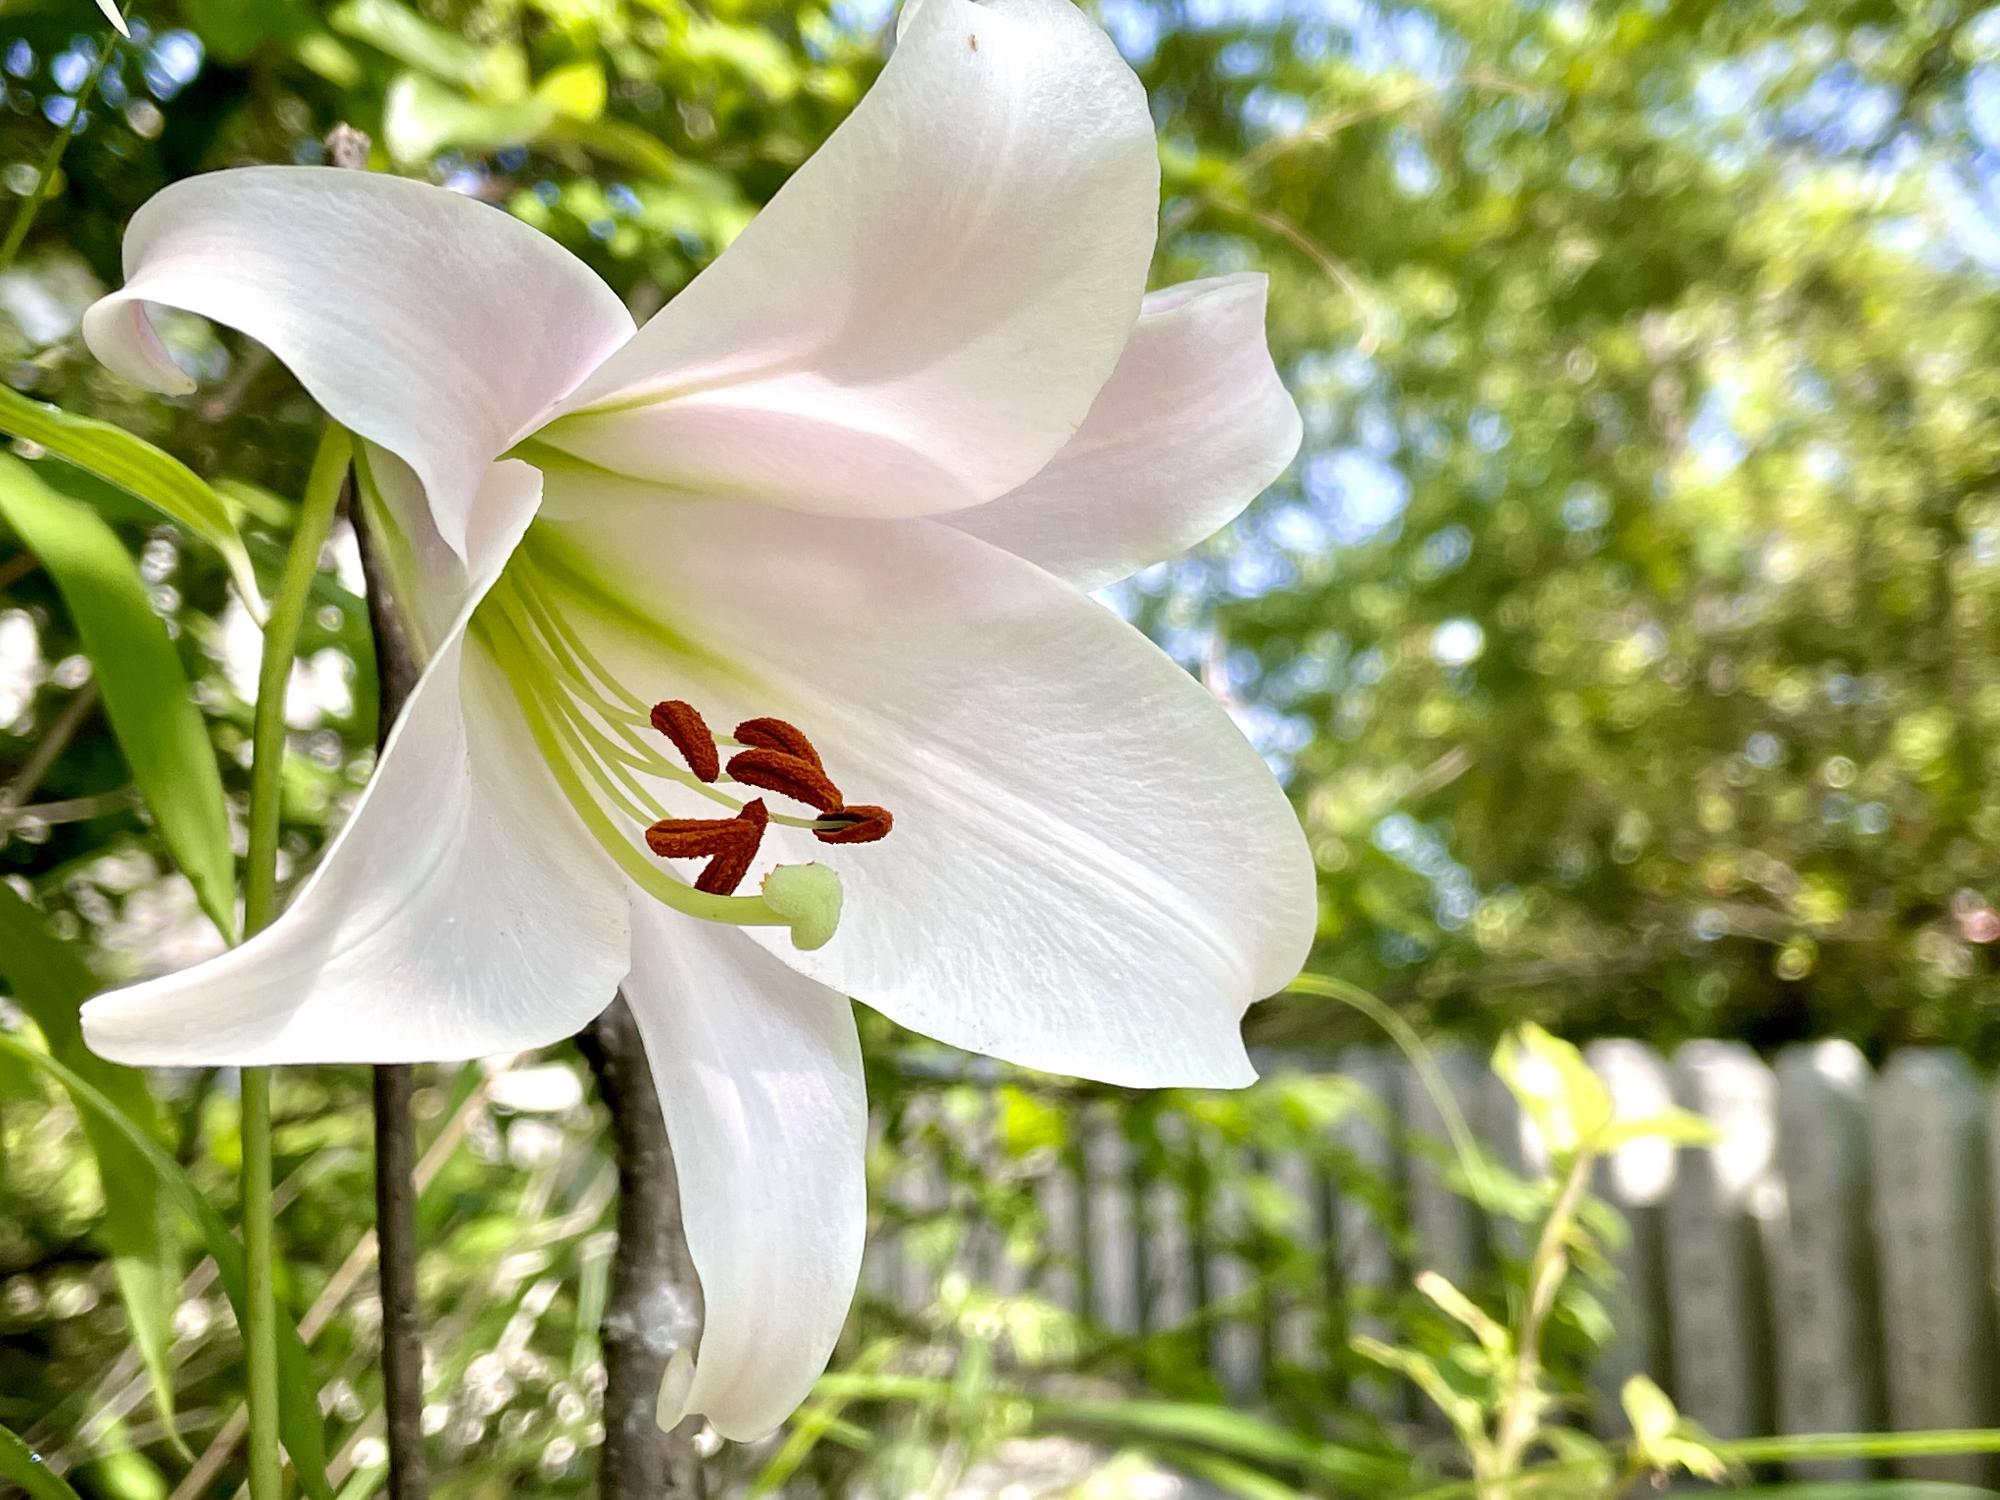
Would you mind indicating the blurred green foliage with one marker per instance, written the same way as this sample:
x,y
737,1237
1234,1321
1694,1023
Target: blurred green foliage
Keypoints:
x,y
1629,616
1624,628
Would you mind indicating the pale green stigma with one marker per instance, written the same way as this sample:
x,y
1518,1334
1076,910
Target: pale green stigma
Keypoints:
x,y
809,897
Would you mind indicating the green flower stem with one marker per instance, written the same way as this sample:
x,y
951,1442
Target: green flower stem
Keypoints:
x,y
260,1312
260,905
1464,1146
24,216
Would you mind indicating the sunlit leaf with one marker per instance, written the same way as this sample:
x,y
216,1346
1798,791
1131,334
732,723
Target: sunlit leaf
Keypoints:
x,y
21,1465
137,467
409,38
621,145
46,978
421,117
576,90
146,693
1555,1087
1648,1409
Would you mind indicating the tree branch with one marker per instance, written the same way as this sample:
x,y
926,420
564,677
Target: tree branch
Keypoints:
x,y
654,1309
396,672
48,749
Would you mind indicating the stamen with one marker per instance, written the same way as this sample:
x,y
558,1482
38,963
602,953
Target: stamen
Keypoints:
x,y
787,775
776,734
728,844
859,823
567,758
596,737
683,724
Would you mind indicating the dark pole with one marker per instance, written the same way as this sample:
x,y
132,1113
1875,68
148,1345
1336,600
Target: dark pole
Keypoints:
x,y
396,670
654,1309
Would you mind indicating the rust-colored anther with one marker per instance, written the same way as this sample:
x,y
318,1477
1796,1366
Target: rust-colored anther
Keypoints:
x,y
683,724
776,734
859,823
788,775
728,844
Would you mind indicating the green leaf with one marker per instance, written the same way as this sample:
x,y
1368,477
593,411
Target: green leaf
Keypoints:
x,y
1229,1476
409,38
421,117
49,982
136,466
1649,1409
1677,1127
1806,1447
1662,1439
21,1465
146,694
1461,1410
298,1405
1555,1086
1494,1338
576,90
621,145
1242,1434
751,52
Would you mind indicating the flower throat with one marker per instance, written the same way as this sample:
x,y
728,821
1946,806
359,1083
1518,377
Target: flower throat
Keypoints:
x,y
601,742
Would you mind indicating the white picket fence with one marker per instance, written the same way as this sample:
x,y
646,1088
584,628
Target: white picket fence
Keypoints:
x,y
1828,1266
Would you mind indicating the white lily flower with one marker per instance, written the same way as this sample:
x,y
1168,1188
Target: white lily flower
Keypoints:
x,y
843,493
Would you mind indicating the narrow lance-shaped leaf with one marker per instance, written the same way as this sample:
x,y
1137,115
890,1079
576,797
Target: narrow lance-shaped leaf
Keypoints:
x,y
136,466
20,1465
298,1405
47,980
146,693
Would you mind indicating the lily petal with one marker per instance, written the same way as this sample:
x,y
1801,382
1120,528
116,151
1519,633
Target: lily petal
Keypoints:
x,y
924,313
426,322
759,1076
1090,871
460,912
430,587
1193,425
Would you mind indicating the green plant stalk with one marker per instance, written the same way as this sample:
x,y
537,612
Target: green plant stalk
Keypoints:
x,y
1464,1146
260,906
1519,1414
1804,1447
24,216
260,1313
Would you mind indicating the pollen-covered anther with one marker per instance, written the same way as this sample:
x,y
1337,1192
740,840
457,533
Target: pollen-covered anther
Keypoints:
x,y
786,774
683,724
728,844
858,823
776,734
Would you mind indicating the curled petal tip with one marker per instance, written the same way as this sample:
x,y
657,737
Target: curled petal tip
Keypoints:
x,y
675,1387
120,332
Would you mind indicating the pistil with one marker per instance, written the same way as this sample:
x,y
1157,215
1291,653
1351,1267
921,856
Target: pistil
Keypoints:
x,y
597,737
